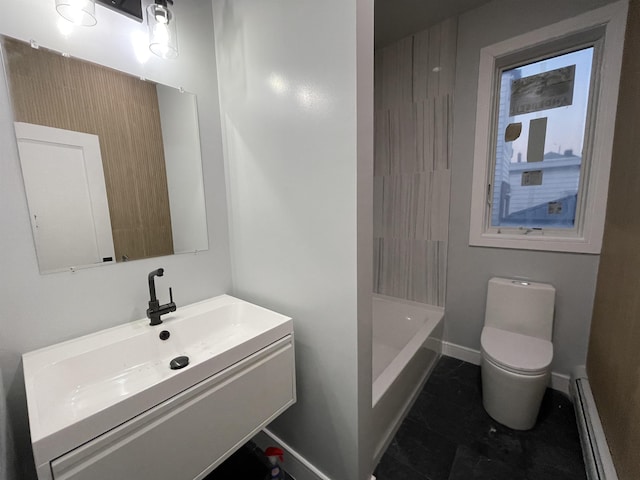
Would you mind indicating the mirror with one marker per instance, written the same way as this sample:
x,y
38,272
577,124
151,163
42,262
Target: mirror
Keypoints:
x,y
111,162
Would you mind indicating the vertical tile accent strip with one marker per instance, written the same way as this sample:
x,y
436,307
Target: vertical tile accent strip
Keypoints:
x,y
439,205
420,66
448,36
433,61
397,73
413,127
382,147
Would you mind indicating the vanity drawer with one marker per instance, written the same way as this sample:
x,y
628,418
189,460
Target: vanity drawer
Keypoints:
x,y
181,439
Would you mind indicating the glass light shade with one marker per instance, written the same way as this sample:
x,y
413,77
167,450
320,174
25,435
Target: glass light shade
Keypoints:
x,y
163,40
78,12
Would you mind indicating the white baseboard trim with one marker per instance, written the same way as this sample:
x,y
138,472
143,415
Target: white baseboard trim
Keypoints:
x,y
294,463
595,449
461,353
558,381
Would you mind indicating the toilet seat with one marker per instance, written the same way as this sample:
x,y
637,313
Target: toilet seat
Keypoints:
x,y
517,353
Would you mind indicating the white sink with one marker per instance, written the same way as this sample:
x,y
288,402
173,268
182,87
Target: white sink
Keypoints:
x,y
81,388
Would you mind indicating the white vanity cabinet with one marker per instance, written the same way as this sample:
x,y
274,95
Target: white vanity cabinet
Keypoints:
x,y
108,406
191,433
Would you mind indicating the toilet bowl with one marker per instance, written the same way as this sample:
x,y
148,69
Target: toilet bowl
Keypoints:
x,y
515,374
516,350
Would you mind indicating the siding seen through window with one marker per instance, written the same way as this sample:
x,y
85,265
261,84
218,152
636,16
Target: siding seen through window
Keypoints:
x,y
539,143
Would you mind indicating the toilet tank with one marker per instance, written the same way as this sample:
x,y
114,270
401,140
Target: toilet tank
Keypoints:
x,y
521,307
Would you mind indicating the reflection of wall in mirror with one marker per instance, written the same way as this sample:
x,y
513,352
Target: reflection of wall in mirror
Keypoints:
x,y
181,136
51,90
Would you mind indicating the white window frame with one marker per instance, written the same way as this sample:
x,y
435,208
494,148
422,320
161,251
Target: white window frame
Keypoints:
x,y
605,28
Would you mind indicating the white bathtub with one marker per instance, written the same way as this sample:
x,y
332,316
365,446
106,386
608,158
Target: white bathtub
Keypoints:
x,y
407,340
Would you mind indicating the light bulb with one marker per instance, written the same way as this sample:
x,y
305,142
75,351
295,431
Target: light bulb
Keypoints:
x,y
162,14
162,31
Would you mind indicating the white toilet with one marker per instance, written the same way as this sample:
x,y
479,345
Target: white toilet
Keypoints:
x,y
516,350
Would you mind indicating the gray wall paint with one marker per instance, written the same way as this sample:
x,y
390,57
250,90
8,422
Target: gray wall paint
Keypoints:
x,y
38,310
470,268
293,129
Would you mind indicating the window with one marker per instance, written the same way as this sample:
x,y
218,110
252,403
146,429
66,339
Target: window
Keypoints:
x,y
544,135
540,132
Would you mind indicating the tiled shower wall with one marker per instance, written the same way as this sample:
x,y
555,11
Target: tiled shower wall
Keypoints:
x,y
414,81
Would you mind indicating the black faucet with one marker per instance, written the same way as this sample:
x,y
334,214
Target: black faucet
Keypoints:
x,y
155,310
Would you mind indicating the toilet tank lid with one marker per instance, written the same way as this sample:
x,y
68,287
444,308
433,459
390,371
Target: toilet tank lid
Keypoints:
x,y
516,352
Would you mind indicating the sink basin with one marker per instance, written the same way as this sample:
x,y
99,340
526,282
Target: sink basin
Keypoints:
x,y
79,389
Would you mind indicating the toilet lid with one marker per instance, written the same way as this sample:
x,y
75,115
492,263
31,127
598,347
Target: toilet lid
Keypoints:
x,y
516,352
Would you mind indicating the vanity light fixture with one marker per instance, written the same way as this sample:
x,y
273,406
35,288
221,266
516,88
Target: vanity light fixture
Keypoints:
x,y
78,12
163,40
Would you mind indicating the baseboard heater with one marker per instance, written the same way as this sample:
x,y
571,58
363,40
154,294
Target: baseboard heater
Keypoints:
x,y
595,450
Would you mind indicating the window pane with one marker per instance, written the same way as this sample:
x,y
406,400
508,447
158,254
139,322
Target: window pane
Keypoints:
x,y
540,137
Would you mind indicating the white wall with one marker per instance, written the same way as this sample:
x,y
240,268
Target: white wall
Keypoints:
x,y
470,268
299,156
38,310
180,134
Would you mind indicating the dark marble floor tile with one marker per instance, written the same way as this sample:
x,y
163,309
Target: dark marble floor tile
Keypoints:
x,y
546,472
556,423
435,412
470,426
446,365
391,469
449,412
469,464
451,390
423,450
503,446
545,456
458,370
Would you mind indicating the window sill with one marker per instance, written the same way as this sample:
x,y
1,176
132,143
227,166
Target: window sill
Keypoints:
x,y
539,242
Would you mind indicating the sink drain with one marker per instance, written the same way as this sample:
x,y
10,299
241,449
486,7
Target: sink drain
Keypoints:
x,y
179,362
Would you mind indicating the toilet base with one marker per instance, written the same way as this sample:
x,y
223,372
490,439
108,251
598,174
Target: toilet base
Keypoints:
x,y
510,398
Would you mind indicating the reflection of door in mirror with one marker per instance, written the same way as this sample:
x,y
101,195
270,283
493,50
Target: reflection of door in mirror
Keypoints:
x,y
122,111
64,182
